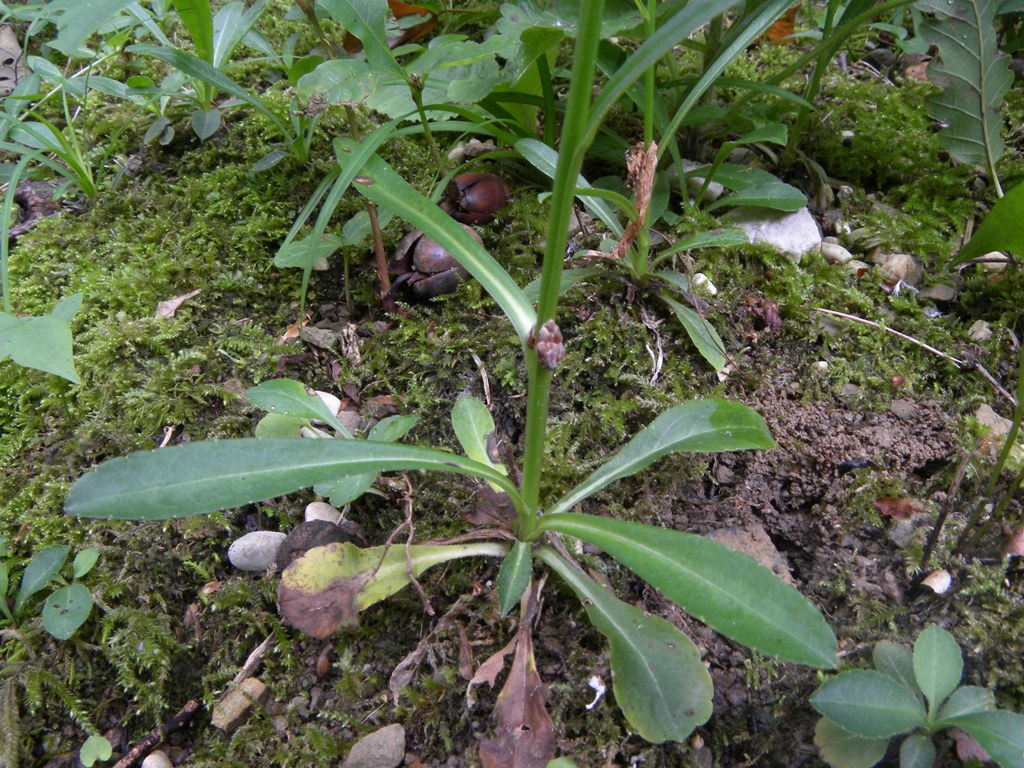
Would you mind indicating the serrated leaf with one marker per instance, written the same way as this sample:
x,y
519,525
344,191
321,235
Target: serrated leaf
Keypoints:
x,y
1000,733
967,700
699,426
870,704
514,576
66,610
842,749
973,77
660,683
938,665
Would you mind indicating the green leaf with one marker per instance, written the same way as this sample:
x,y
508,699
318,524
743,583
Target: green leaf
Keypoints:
x,y
1000,733
1001,230
230,26
95,748
389,190
716,238
77,20
345,490
391,429
917,751
366,19
973,77
723,588
700,426
84,562
897,662
703,335
514,576
870,704
67,308
4,584
276,425
66,610
207,73
660,683
201,477
198,20
288,397
776,195
545,159
473,427
39,572
42,343
305,252
938,665
967,700
567,280
205,122
842,749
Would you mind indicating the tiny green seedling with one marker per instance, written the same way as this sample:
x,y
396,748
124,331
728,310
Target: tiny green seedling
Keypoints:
x,y
915,695
66,608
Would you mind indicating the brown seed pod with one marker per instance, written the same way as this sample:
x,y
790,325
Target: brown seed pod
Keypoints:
x,y
474,198
547,343
427,268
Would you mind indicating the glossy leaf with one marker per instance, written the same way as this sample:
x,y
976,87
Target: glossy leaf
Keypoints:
x,y
938,665
514,576
660,683
703,335
1000,733
842,749
1001,230
382,185
288,397
700,426
39,572
725,589
200,477
66,610
870,704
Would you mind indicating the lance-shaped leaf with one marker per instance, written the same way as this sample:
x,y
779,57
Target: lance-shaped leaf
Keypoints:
x,y
367,20
869,704
700,426
973,77
474,427
382,185
514,576
703,335
660,683
1001,230
725,589
203,477
328,586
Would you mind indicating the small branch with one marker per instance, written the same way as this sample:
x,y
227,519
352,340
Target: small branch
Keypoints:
x,y
157,735
911,339
255,659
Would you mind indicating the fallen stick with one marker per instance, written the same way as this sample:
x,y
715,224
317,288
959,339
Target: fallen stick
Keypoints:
x,y
157,735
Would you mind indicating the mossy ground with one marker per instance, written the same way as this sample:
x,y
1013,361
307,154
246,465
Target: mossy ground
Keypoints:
x,y
197,217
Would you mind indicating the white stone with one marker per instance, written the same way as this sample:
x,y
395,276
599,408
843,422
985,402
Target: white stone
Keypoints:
x,y
331,401
321,264
703,284
855,267
321,510
901,266
834,253
938,581
980,331
157,759
994,261
694,183
256,551
821,366
792,234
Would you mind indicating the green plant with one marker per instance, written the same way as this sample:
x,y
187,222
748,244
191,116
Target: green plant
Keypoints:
x,y
66,608
660,683
911,693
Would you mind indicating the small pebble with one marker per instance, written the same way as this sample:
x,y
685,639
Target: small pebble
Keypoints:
x,y
940,292
856,267
331,401
821,366
255,551
834,253
157,759
703,283
994,261
980,331
901,266
937,581
321,510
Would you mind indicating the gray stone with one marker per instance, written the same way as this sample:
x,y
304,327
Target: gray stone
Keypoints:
x,y
255,551
939,292
834,253
321,510
381,749
901,266
980,331
792,234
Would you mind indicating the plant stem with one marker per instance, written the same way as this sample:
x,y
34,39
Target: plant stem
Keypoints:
x,y
416,89
570,160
